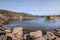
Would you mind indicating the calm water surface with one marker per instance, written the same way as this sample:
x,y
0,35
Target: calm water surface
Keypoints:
x,y
38,23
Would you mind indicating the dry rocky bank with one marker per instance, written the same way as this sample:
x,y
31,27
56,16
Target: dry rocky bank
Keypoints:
x,y
18,34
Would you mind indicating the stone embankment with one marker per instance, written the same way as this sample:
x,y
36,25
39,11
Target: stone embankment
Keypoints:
x,y
18,34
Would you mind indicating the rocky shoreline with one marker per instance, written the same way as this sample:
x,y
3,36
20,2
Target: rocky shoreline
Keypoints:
x,y
19,34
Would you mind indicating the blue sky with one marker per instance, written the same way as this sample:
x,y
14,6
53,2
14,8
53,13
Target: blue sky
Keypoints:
x,y
35,7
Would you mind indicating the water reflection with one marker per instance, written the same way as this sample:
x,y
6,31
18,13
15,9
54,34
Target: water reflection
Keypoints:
x,y
50,20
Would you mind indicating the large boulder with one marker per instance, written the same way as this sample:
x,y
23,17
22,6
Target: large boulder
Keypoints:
x,y
37,35
57,32
8,30
15,34
57,38
49,36
18,33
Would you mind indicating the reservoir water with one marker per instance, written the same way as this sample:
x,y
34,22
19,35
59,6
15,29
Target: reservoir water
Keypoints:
x,y
38,23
